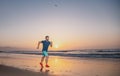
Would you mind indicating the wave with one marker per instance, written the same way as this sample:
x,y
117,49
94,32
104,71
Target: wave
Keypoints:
x,y
89,53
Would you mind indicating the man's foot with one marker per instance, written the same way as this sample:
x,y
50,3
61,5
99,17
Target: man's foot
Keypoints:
x,y
41,65
47,66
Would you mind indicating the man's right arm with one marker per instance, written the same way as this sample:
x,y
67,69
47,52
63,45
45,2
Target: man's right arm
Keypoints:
x,y
39,44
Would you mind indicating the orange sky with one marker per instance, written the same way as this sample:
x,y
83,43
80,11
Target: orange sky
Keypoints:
x,y
72,24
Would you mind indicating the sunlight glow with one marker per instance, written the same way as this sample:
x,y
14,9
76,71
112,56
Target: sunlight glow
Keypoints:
x,y
56,46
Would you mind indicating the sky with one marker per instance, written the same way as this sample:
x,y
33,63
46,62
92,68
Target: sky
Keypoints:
x,y
71,24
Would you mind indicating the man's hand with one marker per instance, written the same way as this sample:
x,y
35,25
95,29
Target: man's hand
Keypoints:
x,y
51,43
37,47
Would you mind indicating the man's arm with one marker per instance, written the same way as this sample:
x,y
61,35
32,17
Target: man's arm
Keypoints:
x,y
38,44
51,43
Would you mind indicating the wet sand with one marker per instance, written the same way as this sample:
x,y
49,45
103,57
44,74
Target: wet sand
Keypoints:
x,y
59,66
11,71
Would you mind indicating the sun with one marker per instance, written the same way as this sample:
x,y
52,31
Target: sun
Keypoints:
x,y
56,46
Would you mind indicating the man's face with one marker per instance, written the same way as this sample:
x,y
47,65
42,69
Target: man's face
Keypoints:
x,y
47,38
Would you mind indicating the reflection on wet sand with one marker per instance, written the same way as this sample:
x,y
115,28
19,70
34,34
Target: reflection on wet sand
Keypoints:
x,y
65,66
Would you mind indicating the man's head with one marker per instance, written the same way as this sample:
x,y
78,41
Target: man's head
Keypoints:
x,y
47,37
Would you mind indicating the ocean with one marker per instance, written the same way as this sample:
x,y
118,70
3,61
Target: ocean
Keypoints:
x,y
87,53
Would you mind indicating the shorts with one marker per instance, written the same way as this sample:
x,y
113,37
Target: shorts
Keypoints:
x,y
44,53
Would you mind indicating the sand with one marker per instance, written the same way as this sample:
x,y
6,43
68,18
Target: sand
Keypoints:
x,y
11,71
28,65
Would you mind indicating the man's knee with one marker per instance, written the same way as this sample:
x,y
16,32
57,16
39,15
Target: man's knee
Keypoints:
x,y
43,57
47,57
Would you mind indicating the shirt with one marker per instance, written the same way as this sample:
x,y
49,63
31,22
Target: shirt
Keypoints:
x,y
45,45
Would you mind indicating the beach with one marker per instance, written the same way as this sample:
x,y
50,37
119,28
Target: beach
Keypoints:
x,y
28,65
11,71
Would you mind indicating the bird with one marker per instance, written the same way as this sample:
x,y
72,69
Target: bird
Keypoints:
x,y
55,5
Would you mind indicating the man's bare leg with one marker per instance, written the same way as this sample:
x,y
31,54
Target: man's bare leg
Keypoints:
x,y
42,59
46,60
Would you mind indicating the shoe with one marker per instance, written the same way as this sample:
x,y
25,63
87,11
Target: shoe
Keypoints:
x,y
47,66
41,65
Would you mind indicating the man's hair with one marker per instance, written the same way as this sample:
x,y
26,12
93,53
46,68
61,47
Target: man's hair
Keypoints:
x,y
46,36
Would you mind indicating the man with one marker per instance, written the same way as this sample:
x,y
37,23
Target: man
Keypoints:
x,y
46,43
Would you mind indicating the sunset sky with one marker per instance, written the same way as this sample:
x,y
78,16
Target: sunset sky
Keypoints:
x,y
71,24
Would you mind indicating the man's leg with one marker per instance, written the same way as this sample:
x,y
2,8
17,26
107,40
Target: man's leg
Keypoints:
x,y
42,59
46,60
43,56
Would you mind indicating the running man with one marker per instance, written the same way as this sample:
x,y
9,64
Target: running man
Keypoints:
x,y
45,56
